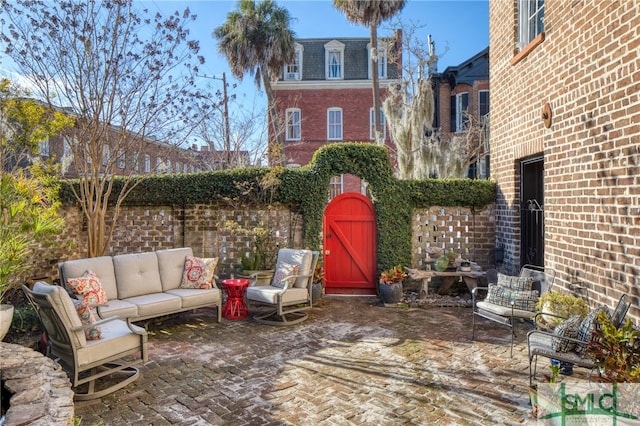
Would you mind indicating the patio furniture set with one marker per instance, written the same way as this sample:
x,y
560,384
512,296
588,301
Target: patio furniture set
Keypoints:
x,y
130,288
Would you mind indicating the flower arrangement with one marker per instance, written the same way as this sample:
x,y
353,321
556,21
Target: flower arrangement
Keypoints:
x,y
393,275
318,273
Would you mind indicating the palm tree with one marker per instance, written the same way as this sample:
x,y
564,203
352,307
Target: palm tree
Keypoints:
x,y
372,13
256,39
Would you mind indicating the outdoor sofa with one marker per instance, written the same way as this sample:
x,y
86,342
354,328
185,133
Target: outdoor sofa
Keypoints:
x,y
141,286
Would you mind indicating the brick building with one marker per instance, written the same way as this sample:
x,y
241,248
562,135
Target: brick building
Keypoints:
x,y
148,156
565,141
325,97
461,95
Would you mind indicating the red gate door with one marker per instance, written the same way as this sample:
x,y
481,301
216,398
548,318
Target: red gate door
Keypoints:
x,y
350,245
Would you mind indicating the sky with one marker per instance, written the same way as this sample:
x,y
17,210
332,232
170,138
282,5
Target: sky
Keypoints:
x,y
459,28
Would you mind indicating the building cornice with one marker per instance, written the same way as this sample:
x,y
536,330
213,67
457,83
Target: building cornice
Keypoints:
x,y
329,84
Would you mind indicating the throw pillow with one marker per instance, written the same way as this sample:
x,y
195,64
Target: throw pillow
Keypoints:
x,y
283,271
89,287
198,272
586,328
87,318
515,283
568,328
523,300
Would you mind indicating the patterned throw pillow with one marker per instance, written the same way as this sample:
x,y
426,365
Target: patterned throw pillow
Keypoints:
x,y
523,300
89,287
515,283
284,270
198,272
568,328
587,326
86,318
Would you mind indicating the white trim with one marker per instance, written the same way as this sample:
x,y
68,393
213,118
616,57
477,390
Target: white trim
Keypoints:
x,y
288,135
330,84
329,111
295,76
382,58
526,19
334,46
372,134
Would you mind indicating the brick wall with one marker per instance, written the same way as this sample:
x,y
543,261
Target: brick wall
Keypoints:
x,y
440,230
211,231
588,70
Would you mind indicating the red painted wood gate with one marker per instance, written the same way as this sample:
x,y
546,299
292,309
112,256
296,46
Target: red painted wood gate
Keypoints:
x,y
350,245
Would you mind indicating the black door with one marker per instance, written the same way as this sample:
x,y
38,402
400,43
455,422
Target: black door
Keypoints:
x,y
532,211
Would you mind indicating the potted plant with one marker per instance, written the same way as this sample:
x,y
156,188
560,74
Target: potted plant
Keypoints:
x,y
559,306
390,287
615,350
260,261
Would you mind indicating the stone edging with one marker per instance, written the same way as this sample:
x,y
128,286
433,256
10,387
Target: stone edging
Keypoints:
x,y
41,390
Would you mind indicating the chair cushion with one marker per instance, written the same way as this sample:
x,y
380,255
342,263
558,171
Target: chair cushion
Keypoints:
x,y
568,328
542,344
66,312
118,307
300,257
198,272
117,338
171,266
90,288
587,326
283,271
86,318
515,283
503,311
269,294
523,300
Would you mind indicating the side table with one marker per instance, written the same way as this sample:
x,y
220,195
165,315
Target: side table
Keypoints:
x,y
236,306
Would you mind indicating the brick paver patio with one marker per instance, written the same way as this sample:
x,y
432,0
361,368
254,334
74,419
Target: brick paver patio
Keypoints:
x,y
352,362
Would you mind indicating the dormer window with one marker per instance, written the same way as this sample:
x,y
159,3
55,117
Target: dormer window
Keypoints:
x,y
382,59
293,71
334,56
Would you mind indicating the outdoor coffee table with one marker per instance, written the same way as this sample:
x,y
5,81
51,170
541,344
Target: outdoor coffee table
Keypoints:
x,y
236,306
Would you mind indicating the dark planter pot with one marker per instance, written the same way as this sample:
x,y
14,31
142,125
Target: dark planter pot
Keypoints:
x,y
316,293
390,293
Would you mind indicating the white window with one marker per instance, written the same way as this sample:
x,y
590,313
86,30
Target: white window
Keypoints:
x,y
372,128
334,124
121,160
334,57
530,21
382,59
293,71
462,104
66,146
106,155
147,163
168,166
483,103
178,167
43,148
336,186
136,166
293,124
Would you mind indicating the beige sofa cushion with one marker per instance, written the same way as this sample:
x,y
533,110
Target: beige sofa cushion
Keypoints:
x,y
116,338
137,274
196,297
155,304
101,266
171,265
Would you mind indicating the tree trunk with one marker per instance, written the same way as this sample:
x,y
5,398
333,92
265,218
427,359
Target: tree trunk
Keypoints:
x,y
275,147
376,84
